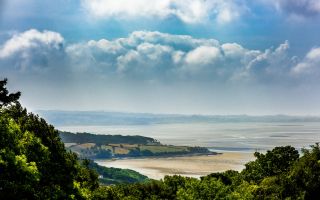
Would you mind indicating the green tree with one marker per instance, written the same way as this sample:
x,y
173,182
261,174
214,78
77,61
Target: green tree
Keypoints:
x,y
205,189
18,174
305,176
274,162
7,98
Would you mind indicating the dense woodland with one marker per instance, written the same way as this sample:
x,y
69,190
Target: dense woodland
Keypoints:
x,y
34,164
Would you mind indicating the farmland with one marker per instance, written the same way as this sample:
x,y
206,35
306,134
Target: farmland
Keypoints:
x,y
87,147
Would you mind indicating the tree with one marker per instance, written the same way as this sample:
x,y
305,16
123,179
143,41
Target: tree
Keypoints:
x,y
5,97
305,175
18,173
274,162
34,163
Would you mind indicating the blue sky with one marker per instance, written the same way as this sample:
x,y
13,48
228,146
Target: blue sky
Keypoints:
x,y
164,56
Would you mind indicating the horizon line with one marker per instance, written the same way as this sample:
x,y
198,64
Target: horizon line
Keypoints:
x,y
179,114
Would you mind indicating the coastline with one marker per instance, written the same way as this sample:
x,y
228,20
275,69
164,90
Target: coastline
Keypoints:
x,y
160,156
186,165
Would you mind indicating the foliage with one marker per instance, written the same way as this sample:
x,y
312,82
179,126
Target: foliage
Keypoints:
x,y
115,175
33,161
5,97
305,176
274,162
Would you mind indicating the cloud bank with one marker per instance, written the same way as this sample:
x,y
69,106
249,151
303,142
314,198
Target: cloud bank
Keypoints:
x,y
159,72
154,56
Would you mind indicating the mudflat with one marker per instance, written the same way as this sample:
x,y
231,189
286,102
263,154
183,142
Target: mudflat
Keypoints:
x,y
191,166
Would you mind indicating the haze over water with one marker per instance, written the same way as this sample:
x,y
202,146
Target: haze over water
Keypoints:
x,y
241,136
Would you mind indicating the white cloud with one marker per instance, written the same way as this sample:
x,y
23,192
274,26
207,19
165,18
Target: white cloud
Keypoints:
x,y
227,14
310,64
146,60
270,65
183,42
105,45
188,11
32,49
30,39
155,55
203,55
143,52
271,60
314,54
233,50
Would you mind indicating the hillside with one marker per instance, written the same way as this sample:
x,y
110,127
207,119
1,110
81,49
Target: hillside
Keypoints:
x,y
80,138
92,146
114,176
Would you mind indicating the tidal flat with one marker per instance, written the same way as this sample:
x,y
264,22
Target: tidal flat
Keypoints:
x,y
190,166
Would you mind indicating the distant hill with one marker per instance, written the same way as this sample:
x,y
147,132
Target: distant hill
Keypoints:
x,y
81,138
68,118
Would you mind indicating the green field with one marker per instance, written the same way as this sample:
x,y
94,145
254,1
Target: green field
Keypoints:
x,y
163,148
108,151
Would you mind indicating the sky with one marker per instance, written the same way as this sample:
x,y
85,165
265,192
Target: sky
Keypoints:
x,y
163,56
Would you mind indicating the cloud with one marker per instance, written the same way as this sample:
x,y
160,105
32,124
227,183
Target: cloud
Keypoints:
x,y
271,62
180,42
298,8
310,64
30,39
146,61
188,11
203,55
31,48
142,54
147,55
153,56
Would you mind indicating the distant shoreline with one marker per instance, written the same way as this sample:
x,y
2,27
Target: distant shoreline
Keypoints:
x,y
161,156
